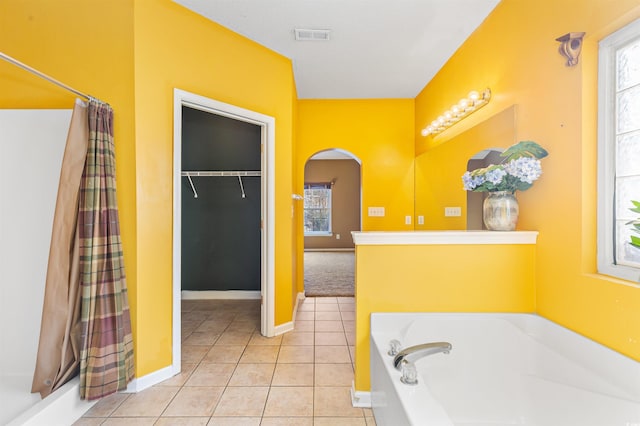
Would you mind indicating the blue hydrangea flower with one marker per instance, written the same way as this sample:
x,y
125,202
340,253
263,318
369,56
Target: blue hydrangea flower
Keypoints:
x,y
495,176
526,169
471,182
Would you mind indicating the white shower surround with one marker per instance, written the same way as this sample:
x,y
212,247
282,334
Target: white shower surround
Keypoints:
x,y
31,148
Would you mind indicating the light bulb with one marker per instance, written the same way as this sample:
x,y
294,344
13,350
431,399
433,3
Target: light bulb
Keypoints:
x,y
425,132
463,104
473,95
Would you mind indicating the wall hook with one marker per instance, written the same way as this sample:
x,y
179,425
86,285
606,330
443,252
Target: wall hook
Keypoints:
x,y
193,188
241,187
570,47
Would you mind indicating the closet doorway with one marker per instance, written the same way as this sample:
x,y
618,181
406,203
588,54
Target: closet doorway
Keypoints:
x,y
223,212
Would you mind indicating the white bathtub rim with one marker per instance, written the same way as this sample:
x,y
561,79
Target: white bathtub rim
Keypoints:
x,y
617,372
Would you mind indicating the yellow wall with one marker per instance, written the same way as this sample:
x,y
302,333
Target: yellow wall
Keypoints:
x,y
132,55
379,133
175,48
91,50
514,52
438,278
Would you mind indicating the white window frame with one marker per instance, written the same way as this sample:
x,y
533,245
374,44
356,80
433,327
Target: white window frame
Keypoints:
x,y
606,152
330,208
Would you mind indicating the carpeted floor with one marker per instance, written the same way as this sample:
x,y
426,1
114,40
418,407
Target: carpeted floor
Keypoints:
x,y
329,273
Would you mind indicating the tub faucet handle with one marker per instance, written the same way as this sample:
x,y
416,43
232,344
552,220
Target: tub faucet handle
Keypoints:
x,y
394,347
409,373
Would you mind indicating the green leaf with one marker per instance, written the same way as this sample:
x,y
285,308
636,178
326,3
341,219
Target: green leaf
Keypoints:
x,y
635,241
524,149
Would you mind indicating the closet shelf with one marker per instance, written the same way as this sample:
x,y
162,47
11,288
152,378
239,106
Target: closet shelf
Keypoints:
x,y
239,173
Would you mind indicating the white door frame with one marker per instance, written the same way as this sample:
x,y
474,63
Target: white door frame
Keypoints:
x,y
267,268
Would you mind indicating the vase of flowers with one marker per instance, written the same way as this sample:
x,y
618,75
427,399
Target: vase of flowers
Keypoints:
x,y
520,168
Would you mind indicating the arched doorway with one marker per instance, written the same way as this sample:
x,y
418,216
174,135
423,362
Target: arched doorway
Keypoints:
x,y
332,210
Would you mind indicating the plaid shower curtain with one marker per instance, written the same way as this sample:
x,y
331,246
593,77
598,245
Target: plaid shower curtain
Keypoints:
x,y
106,355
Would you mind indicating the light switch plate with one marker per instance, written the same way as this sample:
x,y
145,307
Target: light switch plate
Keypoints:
x,y
376,211
452,211
420,220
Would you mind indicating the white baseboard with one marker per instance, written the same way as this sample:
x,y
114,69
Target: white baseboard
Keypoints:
x,y
141,383
62,407
329,249
360,399
290,326
215,294
283,328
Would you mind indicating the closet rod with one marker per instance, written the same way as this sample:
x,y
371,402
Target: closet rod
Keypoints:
x,y
221,173
46,77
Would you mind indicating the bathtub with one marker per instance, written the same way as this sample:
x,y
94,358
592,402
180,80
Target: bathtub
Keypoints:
x,y
504,369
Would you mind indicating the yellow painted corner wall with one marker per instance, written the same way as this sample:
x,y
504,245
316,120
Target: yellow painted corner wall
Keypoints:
x,y
438,278
379,132
175,48
514,52
91,50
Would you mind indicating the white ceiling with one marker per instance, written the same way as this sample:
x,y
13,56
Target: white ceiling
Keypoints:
x,y
377,48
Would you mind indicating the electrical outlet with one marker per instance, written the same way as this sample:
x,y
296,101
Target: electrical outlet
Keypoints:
x,y
452,211
376,211
407,220
337,236
420,220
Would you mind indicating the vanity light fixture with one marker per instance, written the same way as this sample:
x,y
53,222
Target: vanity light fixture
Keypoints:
x,y
466,106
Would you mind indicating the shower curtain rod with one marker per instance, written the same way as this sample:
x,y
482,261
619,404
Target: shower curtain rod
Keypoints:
x,y
46,77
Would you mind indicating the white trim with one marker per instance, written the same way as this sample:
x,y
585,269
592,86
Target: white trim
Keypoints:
x,y
444,237
62,407
141,383
267,124
606,153
283,328
213,294
360,399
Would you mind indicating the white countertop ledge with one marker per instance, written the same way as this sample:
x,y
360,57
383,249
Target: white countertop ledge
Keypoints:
x,y
368,238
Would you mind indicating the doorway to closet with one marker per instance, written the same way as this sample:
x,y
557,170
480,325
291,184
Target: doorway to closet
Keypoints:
x,y
223,226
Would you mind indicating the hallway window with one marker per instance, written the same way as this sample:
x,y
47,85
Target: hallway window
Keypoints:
x,y
317,209
618,151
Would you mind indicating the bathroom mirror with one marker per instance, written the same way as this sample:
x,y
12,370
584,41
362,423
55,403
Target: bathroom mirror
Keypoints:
x,y
438,174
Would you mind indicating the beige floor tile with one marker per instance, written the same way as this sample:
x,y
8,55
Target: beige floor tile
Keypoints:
x,y
182,421
234,338
347,307
287,421
254,354
322,300
242,401
180,378
130,421
371,421
258,339
148,403
352,352
201,339
334,402
295,354
329,326
252,375
349,326
297,338
229,354
351,337
195,316
234,421
304,325
307,306
368,412
211,375
106,406
89,421
293,375
348,316
213,326
332,355
289,402
189,326
305,316
193,353
351,300
194,401
328,316
339,421
330,339
243,326
333,374
327,307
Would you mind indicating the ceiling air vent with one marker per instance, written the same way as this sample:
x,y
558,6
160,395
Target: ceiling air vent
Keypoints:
x,y
311,35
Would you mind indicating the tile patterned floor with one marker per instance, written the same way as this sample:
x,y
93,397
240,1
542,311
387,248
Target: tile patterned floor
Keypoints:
x,y
231,375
